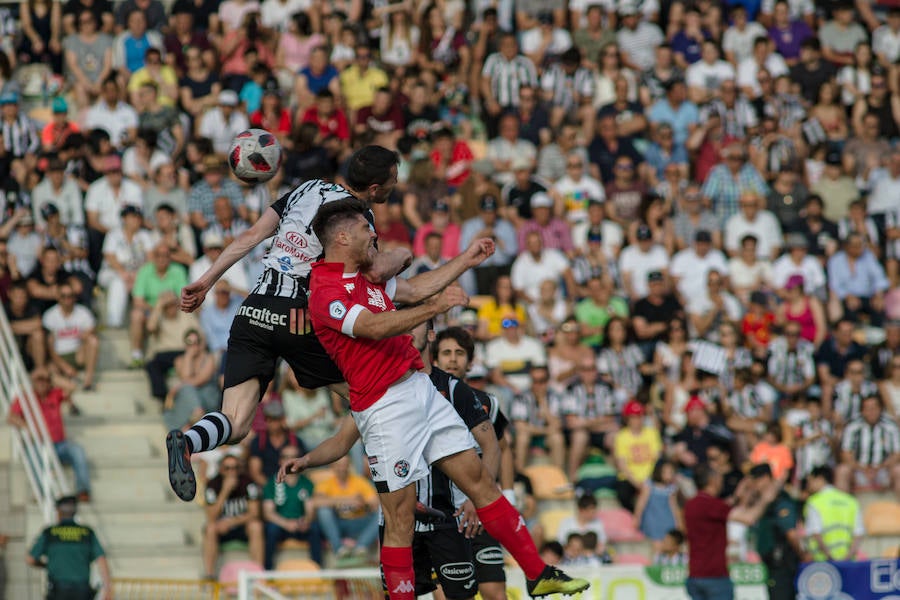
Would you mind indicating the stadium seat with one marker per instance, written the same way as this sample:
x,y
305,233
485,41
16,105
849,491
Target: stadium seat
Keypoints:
x,y
632,559
549,483
228,575
301,587
551,519
882,518
619,525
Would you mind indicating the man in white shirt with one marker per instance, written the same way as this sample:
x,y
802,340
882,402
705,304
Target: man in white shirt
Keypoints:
x,y
222,123
706,75
62,191
113,116
511,356
885,193
213,244
73,343
737,41
752,220
762,57
690,267
886,39
508,152
534,40
637,261
710,309
612,233
797,261
535,265
107,196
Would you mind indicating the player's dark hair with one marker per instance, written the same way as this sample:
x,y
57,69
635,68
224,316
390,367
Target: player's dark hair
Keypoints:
x,y
333,214
370,165
460,336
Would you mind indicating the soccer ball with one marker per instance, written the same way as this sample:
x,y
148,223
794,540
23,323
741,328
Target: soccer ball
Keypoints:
x,y
255,156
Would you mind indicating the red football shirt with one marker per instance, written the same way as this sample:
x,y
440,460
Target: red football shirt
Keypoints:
x,y
50,407
705,520
370,366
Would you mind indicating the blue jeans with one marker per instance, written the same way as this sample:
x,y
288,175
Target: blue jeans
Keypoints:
x,y
364,529
275,535
72,454
710,588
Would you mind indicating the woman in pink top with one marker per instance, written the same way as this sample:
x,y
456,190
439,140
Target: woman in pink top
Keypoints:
x,y
803,309
296,44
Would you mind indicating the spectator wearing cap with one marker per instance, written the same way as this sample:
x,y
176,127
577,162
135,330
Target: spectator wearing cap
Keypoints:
x,y
50,395
503,74
858,281
637,38
511,356
728,181
113,115
836,189
87,52
489,223
216,316
553,231
441,224
215,184
125,250
59,190
72,337
639,260
224,121
266,449
753,220
517,195
576,189
676,110
508,150
636,450
361,80
67,549
536,263
21,140
55,133
105,199
689,267
131,45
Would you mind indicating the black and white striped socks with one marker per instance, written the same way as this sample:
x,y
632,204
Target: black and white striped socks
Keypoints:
x,y
210,432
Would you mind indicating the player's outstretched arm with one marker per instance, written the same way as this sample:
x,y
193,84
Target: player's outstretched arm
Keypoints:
x,y
388,264
428,284
377,326
192,295
325,453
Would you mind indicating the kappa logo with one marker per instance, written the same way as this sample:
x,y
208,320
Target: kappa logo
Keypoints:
x,y
404,587
337,310
460,571
349,287
521,523
296,239
375,474
376,298
492,555
401,468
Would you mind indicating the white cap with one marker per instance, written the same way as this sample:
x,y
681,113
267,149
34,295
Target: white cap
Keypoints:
x,y
228,98
540,200
212,239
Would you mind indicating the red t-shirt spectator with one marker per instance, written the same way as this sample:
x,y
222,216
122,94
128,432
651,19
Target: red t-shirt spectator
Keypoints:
x,y
282,127
50,407
387,122
705,519
334,124
53,136
460,163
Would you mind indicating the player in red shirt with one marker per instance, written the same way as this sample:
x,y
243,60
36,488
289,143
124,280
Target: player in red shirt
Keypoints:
x,y
405,424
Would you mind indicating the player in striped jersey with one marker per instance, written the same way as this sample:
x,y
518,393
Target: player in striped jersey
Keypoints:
x,y
272,322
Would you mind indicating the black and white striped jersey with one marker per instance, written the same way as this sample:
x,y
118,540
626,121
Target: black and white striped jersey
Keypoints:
x,y
871,445
295,245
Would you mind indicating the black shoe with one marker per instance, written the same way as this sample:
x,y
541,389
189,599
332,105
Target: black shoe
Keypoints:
x,y
181,473
554,581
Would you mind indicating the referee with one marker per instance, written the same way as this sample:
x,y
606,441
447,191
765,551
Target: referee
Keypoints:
x,y
272,322
67,550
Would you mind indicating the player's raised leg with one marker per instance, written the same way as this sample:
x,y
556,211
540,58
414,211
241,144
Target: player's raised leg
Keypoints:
x,y
502,521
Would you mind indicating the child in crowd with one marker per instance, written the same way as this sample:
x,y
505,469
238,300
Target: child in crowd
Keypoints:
x,y
657,511
671,551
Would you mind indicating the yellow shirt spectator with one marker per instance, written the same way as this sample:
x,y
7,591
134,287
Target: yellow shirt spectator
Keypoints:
x,y
491,315
637,452
359,86
358,491
166,81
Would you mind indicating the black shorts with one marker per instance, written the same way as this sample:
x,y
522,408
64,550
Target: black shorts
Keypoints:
x,y
268,327
488,559
443,556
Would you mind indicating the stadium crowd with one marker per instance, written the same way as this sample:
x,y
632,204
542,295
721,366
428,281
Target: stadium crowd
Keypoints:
x,y
696,207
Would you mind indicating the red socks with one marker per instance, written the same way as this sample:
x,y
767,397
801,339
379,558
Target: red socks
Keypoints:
x,y
397,564
507,526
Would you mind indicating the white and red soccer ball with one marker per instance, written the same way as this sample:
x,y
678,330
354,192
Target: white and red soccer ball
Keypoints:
x,y
255,156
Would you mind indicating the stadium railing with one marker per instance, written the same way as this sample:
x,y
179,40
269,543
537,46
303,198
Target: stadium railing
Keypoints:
x,y
32,444
170,589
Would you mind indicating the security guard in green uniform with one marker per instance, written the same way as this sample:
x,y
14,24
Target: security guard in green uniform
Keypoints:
x,y
777,538
67,550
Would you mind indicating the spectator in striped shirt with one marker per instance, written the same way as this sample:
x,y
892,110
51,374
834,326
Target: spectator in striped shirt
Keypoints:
x,y
20,139
870,451
792,369
504,72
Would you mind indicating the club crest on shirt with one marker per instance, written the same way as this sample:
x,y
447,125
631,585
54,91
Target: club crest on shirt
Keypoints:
x,y
376,298
401,468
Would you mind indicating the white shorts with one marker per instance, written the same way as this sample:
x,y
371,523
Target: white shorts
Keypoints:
x,y
408,429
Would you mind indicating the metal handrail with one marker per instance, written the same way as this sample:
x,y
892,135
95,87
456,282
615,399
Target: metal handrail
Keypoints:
x,y
32,443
